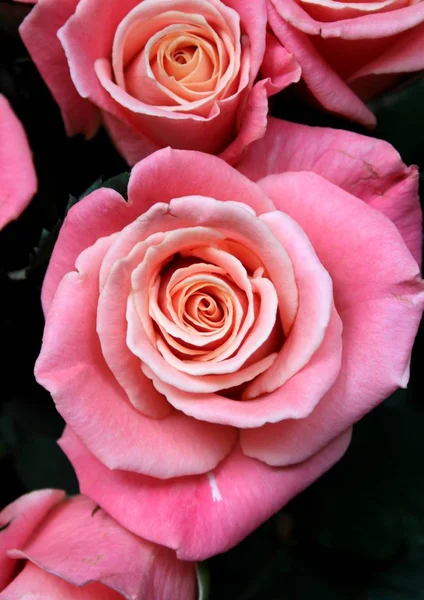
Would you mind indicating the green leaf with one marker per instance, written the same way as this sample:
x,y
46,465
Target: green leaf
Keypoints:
x,y
119,183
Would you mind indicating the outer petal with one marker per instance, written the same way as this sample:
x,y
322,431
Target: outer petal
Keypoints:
x,y
99,214
17,523
405,56
198,516
179,130
33,583
162,176
370,169
253,118
379,297
253,19
18,182
83,48
82,545
172,174
71,366
366,27
279,65
39,33
324,83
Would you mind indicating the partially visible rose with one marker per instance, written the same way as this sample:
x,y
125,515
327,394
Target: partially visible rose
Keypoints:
x,y
211,341
18,181
157,73
350,52
57,549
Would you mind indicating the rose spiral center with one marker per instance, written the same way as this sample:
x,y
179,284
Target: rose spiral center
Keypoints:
x,y
173,57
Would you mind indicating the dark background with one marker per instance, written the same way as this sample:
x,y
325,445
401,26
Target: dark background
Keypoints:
x,y
358,533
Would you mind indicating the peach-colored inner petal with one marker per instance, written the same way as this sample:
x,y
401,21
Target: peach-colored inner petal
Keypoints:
x,y
187,56
202,311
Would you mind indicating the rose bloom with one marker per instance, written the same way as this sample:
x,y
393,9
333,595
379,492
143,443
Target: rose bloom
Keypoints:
x,y
61,549
351,51
18,181
211,341
183,73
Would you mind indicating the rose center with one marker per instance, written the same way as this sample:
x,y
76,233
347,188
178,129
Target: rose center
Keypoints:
x,y
202,306
184,55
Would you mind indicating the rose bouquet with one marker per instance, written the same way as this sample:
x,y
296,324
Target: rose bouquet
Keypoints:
x,y
196,338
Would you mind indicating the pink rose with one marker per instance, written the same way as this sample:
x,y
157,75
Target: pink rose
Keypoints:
x,y
211,341
159,73
18,181
350,52
73,550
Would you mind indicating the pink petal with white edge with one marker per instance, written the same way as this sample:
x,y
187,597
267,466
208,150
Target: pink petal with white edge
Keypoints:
x,y
405,56
18,521
83,49
315,293
279,65
100,214
39,33
166,128
324,83
308,364
371,26
162,176
112,330
172,174
294,400
33,583
71,366
370,169
253,19
198,516
18,181
379,297
82,545
361,249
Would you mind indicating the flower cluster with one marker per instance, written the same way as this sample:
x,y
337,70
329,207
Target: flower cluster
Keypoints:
x,y
211,338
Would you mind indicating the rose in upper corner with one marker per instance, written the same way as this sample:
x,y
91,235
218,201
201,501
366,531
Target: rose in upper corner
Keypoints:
x,y
158,73
211,341
351,51
58,548
18,181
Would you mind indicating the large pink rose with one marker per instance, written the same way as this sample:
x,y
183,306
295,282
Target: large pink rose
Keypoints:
x,y
211,341
58,549
18,181
350,52
157,73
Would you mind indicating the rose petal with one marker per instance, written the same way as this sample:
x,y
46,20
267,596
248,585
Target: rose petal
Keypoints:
x,y
39,33
31,582
17,523
172,174
71,366
18,181
198,516
367,27
370,169
380,307
324,83
81,546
